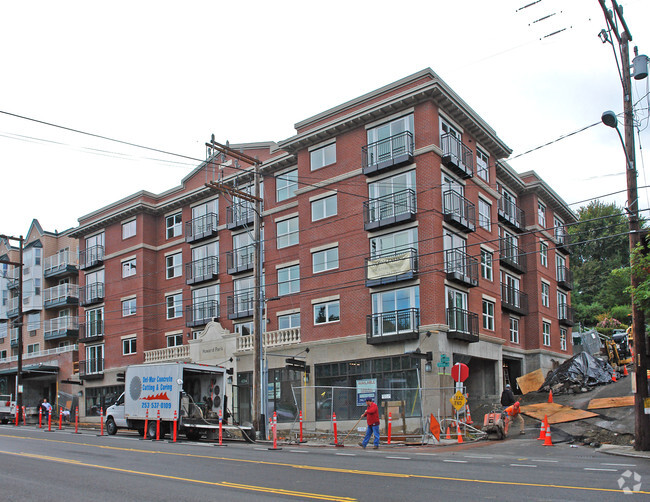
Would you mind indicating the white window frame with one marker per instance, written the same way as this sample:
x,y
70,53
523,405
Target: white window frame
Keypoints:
x,y
289,321
546,333
288,277
129,307
241,326
173,339
129,229
174,305
322,157
482,165
286,185
324,260
541,214
563,337
334,305
514,330
488,315
129,346
323,208
33,348
484,214
546,294
174,265
174,225
487,265
543,254
129,268
289,236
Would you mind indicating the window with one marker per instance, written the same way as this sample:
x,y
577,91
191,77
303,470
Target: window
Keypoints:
x,y
38,253
484,219
389,140
543,254
393,243
4,329
128,346
323,208
94,322
514,330
287,232
327,259
33,348
285,185
546,333
323,156
128,229
175,340
562,306
33,322
244,328
288,280
395,311
174,225
289,321
560,268
128,268
560,231
563,334
546,294
326,312
541,214
129,307
486,264
174,306
3,354
482,166
488,315
174,265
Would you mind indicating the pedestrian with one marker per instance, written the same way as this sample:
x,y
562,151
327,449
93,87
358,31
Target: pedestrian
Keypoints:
x,y
372,417
46,407
507,397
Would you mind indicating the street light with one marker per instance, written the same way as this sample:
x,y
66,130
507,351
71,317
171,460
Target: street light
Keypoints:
x,y
610,119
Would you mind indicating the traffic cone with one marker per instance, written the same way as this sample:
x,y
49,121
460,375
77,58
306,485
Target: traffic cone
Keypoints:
x,y
547,439
625,373
448,436
542,429
468,415
460,436
550,396
614,377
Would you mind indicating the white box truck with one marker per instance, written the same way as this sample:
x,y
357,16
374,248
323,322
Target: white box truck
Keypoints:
x,y
193,394
7,408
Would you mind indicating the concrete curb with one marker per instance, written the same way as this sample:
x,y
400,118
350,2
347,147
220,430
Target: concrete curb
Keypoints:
x,y
623,451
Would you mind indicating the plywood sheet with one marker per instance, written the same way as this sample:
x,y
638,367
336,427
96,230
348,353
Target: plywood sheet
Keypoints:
x,y
531,382
610,402
556,413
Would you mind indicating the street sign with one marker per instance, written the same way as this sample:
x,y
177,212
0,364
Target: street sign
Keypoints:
x,y
458,400
444,361
459,372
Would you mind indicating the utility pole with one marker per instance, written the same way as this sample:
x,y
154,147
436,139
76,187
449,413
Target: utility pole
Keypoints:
x,y
259,419
18,322
642,421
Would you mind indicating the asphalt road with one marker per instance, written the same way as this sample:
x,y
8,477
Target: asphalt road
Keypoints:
x,y
62,466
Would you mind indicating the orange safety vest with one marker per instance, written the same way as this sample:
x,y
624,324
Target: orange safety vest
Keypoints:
x,y
513,410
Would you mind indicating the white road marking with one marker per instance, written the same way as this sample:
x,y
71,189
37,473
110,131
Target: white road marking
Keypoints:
x,y
401,458
542,460
298,451
456,461
477,456
347,454
428,454
595,469
621,465
522,465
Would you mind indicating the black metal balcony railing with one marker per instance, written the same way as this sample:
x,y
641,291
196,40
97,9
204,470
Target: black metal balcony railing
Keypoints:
x,y
90,257
91,293
562,239
458,211
387,153
461,267
511,214
240,215
463,325
392,266
456,155
92,368
513,300
512,256
390,209
201,313
393,326
566,314
240,305
201,227
240,260
204,269
91,331
564,277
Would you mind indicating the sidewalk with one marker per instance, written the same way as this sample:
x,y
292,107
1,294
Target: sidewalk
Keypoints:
x,y
623,451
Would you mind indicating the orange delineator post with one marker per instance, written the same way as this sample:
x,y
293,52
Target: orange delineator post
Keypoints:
x,y
17,417
49,420
390,425
275,430
24,418
76,420
220,429
40,417
336,439
158,427
176,422
101,421
60,418
146,423
301,426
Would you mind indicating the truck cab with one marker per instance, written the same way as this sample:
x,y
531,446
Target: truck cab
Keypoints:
x,y
115,418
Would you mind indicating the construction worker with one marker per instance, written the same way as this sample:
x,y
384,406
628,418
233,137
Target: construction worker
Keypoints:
x,y
513,411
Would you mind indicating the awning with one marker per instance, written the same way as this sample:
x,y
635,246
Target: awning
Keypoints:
x,y
32,370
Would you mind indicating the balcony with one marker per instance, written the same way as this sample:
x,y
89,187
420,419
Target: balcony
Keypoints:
x,y
13,307
93,369
564,277
91,331
91,257
13,278
394,266
240,305
168,354
278,338
240,260
91,293
562,240
61,264
456,156
511,214
240,215
463,325
513,300
60,327
511,256
387,153
204,269
201,227
60,296
566,314
395,326
13,337
388,210
201,313
458,211
461,267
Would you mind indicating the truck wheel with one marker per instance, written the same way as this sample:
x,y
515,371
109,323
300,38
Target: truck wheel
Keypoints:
x,y
151,429
193,435
111,428
4,421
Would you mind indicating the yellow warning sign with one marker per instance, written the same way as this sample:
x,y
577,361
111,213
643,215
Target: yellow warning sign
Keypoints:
x,y
458,400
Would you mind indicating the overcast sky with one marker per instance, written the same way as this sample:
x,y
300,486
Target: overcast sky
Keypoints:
x,y
167,75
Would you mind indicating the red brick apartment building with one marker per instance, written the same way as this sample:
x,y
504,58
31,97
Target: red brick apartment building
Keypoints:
x,y
50,296
391,224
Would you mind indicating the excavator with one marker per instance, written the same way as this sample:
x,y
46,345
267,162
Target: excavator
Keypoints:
x,y
617,347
